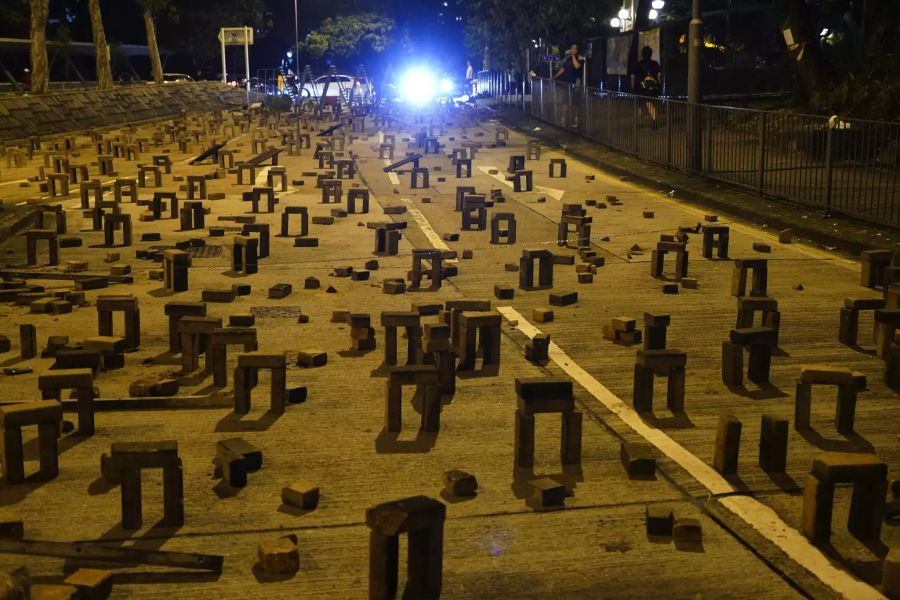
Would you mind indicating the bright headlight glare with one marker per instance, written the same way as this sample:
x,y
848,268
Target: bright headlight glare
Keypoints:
x,y
446,86
417,86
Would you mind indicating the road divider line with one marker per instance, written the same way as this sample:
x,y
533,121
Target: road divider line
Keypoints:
x,y
426,228
757,515
392,177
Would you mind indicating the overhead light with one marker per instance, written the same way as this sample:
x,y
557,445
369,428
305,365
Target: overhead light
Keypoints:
x,y
623,13
657,4
653,14
615,22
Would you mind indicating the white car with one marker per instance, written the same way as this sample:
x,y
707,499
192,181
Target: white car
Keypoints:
x,y
361,88
176,78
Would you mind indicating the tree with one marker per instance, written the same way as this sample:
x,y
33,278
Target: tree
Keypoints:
x,y
101,48
149,8
40,70
349,35
511,25
814,69
192,26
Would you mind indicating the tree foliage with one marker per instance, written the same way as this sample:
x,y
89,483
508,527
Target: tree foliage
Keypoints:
x,y
507,27
349,35
192,26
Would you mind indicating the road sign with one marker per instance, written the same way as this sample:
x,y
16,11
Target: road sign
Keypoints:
x,y
234,36
550,58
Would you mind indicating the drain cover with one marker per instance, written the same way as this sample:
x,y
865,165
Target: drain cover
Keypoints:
x,y
275,312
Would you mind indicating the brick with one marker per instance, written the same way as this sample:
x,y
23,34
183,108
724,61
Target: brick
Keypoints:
x,y
279,556
92,584
659,520
546,493
563,299
637,459
301,494
459,483
312,358
542,315
687,531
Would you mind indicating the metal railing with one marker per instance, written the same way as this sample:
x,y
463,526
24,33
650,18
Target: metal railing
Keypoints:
x,y
850,166
500,85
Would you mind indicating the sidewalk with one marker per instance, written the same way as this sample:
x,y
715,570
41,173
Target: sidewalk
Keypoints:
x,y
839,233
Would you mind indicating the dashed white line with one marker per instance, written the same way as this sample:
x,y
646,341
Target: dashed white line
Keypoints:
x,y
426,227
392,177
759,516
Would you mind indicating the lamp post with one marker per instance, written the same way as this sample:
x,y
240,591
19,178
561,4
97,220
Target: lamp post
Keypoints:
x,y
296,42
695,50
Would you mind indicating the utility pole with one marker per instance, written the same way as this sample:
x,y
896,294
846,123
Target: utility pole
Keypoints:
x,y
695,55
296,41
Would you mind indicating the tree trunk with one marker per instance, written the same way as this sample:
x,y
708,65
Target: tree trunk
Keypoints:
x,y
152,47
486,58
40,71
802,41
104,72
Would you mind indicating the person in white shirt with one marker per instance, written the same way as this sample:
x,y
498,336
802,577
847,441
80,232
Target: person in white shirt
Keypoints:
x,y
470,77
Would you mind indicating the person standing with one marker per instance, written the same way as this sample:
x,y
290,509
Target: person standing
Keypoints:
x,y
646,81
470,78
568,73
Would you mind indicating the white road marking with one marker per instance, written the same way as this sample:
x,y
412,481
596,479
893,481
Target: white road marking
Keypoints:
x,y
261,177
552,192
427,229
13,182
392,177
751,511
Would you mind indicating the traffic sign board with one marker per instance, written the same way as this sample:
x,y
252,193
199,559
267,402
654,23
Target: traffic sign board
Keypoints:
x,y
234,36
550,58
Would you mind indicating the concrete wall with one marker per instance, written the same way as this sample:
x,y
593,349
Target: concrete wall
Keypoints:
x,y
60,112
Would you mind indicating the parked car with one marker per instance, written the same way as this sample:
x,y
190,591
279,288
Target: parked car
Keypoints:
x,y
361,88
176,78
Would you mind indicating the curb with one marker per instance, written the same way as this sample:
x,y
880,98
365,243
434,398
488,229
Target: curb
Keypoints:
x,y
688,195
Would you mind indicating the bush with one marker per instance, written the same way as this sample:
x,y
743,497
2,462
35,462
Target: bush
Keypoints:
x,y
864,96
278,103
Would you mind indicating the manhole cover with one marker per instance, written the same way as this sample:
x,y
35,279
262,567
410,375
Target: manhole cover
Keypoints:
x,y
275,312
208,251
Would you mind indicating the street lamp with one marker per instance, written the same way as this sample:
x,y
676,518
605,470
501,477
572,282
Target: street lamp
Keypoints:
x,y
296,42
622,20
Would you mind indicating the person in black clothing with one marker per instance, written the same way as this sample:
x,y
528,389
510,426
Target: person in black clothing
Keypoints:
x,y
645,81
568,73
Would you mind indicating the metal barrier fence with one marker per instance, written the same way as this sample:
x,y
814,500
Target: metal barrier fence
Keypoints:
x,y
500,85
850,166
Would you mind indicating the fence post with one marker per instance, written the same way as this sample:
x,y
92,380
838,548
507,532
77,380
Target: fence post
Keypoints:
x,y
609,110
635,119
706,127
585,110
541,94
829,161
666,105
761,182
